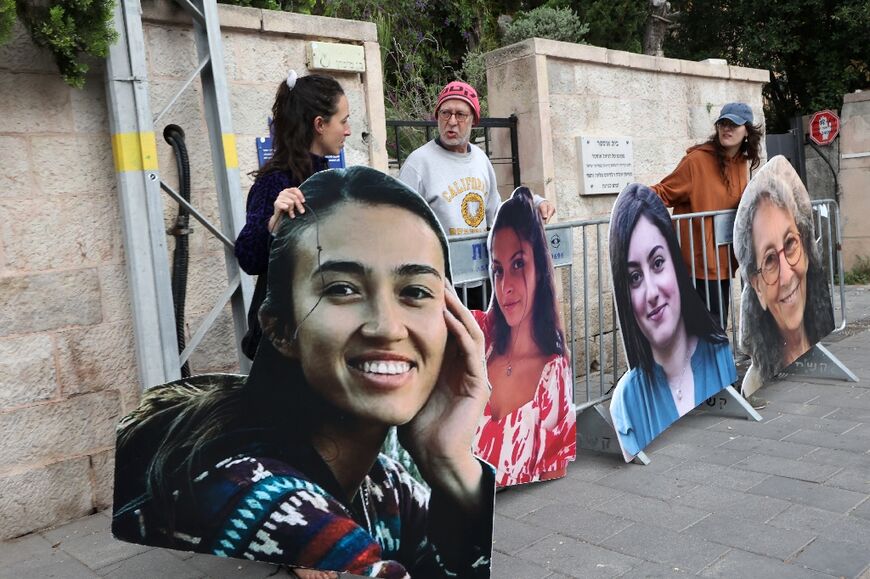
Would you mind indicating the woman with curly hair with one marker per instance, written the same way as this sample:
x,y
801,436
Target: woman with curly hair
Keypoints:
x,y
786,303
711,177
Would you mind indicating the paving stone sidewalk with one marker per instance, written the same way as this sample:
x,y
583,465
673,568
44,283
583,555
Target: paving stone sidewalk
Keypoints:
x,y
722,497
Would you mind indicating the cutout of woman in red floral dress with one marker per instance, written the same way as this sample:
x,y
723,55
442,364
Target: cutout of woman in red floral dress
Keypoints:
x,y
528,430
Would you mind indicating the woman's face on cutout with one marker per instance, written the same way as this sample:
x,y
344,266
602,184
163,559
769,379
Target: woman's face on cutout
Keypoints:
x,y
374,345
772,229
513,275
652,282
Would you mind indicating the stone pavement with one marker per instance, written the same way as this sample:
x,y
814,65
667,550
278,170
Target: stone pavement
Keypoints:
x,y
722,497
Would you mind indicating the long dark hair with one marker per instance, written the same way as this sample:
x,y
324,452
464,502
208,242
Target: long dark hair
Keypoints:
x,y
185,425
634,202
519,214
778,183
750,149
293,114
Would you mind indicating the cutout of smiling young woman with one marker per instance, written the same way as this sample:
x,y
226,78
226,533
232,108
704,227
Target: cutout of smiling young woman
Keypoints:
x,y
678,355
362,332
528,430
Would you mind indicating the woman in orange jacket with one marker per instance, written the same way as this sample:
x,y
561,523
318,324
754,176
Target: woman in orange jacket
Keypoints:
x,y
712,177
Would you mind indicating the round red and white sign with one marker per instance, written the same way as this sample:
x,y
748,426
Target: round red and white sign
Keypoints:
x,y
824,127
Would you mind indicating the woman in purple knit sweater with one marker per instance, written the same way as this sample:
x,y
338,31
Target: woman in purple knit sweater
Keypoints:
x,y
310,121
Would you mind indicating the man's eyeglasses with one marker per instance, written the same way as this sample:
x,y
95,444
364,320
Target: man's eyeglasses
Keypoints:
x,y
791,249
445,115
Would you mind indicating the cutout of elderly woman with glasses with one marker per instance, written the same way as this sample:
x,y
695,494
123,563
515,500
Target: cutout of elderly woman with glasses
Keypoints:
x,y
786,304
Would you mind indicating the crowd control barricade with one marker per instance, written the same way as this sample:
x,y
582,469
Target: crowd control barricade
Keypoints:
x,y
580,255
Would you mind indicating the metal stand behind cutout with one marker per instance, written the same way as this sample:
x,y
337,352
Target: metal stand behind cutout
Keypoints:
x,y
595,432
819,362
729,402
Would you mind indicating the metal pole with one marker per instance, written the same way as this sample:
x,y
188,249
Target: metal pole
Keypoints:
x,y
515,150
692,249
135,153
224,158
586,314
718,279
571,329
704,259
601,356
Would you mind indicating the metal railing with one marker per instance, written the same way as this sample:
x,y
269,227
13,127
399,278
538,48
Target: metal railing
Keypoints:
x,y
581,258
586,306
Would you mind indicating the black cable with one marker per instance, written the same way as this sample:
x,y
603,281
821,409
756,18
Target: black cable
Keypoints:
x,y
174,135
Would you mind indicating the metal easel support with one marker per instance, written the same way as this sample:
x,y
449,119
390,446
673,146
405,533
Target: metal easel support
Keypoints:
x,y
729,402
819,362
595,432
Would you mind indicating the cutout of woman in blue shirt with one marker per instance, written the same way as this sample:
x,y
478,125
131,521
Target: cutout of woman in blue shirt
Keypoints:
x,y
677,354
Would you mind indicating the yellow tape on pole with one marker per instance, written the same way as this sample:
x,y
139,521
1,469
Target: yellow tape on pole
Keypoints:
x,y
231,156
134,152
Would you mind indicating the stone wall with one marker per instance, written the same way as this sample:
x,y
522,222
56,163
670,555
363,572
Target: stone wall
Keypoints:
x,y
560,91
67,362
855,176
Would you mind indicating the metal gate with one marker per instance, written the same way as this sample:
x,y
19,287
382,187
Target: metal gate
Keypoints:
x,y
791,146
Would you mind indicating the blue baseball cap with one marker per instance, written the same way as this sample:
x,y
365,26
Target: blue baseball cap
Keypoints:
x,y
737,113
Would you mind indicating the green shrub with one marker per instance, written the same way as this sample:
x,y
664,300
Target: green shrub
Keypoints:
x,y
7,19
70,30
860,272
544,22
474,73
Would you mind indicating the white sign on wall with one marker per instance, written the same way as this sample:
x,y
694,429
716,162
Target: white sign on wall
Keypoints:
x,y
606,164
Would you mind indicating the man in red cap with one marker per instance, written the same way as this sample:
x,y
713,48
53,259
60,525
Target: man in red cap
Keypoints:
x,y
454,176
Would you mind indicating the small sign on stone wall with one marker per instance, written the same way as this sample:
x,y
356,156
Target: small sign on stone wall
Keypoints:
x,y
606,164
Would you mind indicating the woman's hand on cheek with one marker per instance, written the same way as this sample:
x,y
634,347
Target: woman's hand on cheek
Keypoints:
x,y
440,436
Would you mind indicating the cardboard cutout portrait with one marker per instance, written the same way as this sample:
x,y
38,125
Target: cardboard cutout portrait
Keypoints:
x,y
528,431
786,302
678,355
361,332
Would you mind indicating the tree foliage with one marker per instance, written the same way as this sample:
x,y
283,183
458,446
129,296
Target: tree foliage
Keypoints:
x,y
816,50
71,30
7,19
616,24
546,22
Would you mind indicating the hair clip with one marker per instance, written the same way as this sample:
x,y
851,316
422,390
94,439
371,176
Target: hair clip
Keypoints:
x,y
291,79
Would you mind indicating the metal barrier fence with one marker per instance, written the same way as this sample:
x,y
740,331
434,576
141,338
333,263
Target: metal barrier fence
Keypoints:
x,y
581,258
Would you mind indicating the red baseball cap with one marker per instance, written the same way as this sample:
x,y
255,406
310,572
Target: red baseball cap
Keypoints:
x,y
462,91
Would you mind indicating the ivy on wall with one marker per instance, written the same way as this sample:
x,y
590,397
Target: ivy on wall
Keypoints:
x,y
71,30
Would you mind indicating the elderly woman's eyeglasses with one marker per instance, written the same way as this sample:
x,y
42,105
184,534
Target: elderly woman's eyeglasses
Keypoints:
x,y
445,115
791,250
